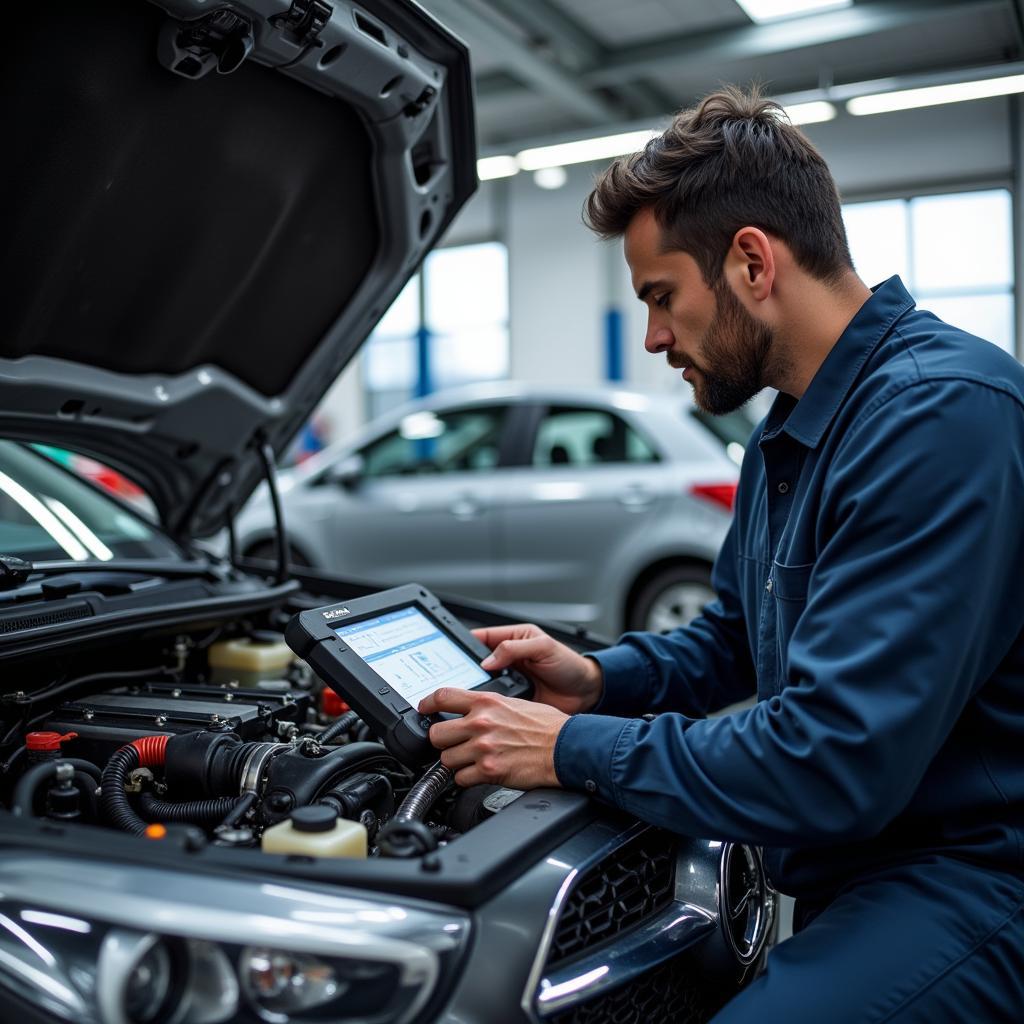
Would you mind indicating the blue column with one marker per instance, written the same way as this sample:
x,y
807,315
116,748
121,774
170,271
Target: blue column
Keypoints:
x,y
613,344
424,384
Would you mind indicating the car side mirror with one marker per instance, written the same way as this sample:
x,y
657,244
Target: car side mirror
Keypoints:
x,y
346,472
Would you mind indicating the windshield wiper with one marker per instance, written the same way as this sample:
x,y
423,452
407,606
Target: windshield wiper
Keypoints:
x,y
16,571
13,571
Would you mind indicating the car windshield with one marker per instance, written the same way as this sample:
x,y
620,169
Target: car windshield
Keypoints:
x,y
48,513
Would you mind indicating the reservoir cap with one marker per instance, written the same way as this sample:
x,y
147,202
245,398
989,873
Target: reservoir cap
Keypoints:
x,y
317,818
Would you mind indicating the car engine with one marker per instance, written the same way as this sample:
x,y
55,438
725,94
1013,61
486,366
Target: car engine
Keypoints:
x,y
227,739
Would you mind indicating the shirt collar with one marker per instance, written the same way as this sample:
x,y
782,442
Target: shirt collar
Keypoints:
x,y
809,417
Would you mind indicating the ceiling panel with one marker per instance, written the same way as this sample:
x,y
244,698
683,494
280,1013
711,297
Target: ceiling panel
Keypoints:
x,y
615,23
546,67
950,43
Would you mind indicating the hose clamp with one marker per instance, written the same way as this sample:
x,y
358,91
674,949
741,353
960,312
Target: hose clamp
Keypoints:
x,y
255,767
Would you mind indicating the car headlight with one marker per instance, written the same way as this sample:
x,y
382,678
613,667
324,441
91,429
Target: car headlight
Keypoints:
x,y
227,950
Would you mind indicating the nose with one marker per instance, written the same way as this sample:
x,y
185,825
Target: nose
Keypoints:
x,y
659,339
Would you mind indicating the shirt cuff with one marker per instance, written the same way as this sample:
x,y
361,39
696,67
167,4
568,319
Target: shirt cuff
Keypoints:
x,y
585,751
626,681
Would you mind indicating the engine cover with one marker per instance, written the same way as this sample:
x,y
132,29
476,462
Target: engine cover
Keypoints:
x,y
106,721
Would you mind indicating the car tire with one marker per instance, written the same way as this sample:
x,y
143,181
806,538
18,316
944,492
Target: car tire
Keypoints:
x,y
671,598
267,550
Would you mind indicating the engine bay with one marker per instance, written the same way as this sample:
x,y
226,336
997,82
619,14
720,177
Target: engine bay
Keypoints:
x,y
230,740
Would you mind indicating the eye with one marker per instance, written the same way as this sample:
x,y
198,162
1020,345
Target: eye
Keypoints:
x,y
662,300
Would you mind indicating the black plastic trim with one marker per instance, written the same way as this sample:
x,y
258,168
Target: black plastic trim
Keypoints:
x,y
101,627
463,874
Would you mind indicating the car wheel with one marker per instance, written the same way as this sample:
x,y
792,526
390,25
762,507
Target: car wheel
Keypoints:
x,y
671,598
267,550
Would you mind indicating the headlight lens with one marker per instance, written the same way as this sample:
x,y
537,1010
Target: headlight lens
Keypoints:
x,y
224,951
281,983
148,985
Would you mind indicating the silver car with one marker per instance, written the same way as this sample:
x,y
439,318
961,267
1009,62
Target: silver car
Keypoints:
x,y
600,507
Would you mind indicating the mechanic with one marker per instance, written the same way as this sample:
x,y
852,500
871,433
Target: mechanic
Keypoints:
x,y
870,589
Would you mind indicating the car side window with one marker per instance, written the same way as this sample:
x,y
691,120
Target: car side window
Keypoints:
x,y
438,442
588,437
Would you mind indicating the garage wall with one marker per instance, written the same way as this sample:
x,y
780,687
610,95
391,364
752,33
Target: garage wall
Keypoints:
x,y
562,280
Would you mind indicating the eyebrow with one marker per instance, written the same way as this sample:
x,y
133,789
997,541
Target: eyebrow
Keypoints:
x,y
645,290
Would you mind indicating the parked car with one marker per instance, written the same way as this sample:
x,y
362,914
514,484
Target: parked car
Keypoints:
x,y
206,212
600,507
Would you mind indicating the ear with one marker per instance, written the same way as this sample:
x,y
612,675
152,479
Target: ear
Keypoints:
x,y
753,263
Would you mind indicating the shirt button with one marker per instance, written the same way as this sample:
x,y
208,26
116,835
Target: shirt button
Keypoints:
x,y
783,487
590,786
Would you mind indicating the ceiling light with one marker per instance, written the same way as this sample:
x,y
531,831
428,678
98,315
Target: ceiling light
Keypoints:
x,y
810,113
603,148
490,167
550,177
934,95
773,10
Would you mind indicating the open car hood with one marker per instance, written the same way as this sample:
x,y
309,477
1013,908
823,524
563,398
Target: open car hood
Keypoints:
x,y
207,210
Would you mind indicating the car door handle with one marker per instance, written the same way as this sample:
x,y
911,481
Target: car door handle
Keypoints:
x,y
636,499
465,507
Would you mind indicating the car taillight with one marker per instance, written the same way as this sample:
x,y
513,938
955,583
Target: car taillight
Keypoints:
x,y
721,494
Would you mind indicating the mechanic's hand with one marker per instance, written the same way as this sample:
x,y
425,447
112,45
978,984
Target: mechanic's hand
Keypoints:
x,y
561,677
499,740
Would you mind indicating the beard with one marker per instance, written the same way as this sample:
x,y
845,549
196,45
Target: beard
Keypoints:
x,y
736,351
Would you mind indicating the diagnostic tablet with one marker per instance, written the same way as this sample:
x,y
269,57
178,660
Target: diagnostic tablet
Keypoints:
x,y
384,653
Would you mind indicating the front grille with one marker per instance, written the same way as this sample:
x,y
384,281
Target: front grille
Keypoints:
x,y
674,993
617,894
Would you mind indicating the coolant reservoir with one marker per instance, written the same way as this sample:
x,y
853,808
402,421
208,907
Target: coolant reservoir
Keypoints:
x,y
249,660
316,832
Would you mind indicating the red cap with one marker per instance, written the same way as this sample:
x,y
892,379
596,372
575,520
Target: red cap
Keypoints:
x,y
331,704
47,740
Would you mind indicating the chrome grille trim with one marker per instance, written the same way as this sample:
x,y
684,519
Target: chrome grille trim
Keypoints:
x,y
690,917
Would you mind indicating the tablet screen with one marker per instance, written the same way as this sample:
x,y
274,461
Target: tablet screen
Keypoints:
x,y
412,654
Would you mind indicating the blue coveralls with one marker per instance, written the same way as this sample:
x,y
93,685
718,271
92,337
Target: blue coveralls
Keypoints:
x,y
872,585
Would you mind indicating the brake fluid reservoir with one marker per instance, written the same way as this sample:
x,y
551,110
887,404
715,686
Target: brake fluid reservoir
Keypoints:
x,y
249,660
316,832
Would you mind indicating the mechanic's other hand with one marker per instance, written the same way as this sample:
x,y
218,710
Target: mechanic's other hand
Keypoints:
x,y
498,740
561,677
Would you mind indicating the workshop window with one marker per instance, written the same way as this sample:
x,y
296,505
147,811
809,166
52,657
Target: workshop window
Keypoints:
x,y
954,253
457,307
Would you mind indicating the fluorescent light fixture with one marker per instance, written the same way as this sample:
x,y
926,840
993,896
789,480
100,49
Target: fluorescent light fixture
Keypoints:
x,y
810,113
934,95
774,10
585,150
550,177
490,167
607,147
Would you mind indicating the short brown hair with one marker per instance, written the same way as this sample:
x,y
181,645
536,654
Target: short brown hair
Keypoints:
x,y
733,160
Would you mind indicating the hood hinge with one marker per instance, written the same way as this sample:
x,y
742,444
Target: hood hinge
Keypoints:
x,y
303,21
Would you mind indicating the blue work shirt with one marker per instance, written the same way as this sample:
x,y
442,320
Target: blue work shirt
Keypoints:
x,y
871,590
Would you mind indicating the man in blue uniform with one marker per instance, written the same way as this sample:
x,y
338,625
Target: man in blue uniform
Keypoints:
x,y
871,589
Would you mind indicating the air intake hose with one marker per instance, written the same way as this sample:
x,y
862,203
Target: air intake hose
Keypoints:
x,y
146,752
192,812
425,793
218,757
